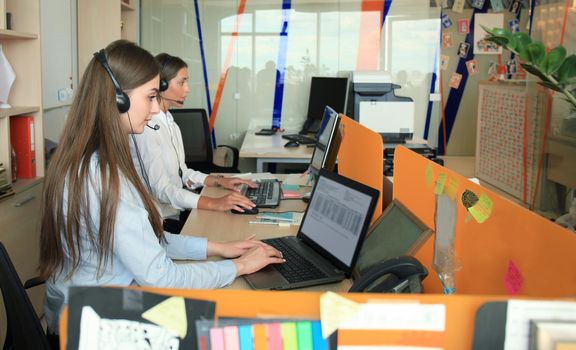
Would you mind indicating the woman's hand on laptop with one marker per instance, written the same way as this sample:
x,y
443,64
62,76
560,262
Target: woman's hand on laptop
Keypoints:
x,y
256,258
231,201
232,249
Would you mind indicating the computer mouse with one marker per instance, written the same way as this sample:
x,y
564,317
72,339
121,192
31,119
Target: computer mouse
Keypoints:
x,y
247,211
292,144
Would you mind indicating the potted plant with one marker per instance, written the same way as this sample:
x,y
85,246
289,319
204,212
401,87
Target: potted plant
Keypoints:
x,y
556,70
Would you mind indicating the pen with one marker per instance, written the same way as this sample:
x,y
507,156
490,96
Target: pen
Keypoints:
x,y
263,222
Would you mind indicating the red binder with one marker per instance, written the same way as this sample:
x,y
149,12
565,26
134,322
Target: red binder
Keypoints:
x,y
22,138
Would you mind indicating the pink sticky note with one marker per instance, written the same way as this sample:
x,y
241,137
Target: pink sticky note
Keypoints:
x,y
274,336
231,338
216,339
513,280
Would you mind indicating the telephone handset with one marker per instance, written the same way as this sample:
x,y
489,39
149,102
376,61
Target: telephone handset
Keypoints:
x,y
396,275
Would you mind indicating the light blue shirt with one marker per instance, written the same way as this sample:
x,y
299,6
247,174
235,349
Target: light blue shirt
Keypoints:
x,y
138,257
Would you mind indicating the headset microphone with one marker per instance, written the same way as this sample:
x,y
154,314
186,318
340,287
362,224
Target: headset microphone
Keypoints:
x,y
177,101
155,127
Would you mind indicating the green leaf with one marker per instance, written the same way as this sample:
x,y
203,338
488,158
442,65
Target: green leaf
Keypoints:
x,y
535,53
567,70
550,86
554,59
535,71
522,40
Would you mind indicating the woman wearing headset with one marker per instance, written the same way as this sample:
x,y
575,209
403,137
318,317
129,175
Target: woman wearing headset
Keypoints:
x,y
100,225
163,156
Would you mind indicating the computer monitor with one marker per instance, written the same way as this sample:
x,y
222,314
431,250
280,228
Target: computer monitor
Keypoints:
x,y
324,91
326,150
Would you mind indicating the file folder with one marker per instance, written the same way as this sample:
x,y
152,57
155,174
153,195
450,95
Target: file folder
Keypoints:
x,y
22,139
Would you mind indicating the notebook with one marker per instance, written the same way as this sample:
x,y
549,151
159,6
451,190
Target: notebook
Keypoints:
x,y
328,240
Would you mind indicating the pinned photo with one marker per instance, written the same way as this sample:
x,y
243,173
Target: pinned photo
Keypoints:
x,y
463,26
458,6
511,67
455,80
497,5
514,25
515,7
444,60
447,41
472,67
488,20
446,21
479,4
463,49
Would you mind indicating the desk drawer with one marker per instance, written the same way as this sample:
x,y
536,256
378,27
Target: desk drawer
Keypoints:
x,y
20,234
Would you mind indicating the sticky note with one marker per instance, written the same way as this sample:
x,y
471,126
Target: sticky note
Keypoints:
x,y
451,188
317,339
260,337
304,330
245,337
439,188
289,336
429,175
274,336
170,314
458,6
231,340
290,187
482,210
513,279
216,339
335,309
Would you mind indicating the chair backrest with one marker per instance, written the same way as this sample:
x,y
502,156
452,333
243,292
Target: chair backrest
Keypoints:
x,y
24,330
193,123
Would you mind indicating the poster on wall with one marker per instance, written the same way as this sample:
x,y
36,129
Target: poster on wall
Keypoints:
x,y
490,20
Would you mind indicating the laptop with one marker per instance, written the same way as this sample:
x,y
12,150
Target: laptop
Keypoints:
x,y
266,195
328,240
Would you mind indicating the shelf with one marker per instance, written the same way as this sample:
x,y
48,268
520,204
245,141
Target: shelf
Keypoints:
x,y
18,110
11,34
22,185
127,7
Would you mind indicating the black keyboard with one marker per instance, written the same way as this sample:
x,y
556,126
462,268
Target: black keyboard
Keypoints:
x,y
296,268
266,195
302,139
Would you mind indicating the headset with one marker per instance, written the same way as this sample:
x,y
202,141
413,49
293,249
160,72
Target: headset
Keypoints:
x,y
163,82
122,99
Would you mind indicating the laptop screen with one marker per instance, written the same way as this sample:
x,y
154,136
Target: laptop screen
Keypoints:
x,y
325,139
338,215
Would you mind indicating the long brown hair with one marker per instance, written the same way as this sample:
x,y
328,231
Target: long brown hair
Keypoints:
x,y
93,125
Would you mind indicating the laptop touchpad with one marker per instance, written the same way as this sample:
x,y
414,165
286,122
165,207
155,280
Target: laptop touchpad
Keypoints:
x,y
267,278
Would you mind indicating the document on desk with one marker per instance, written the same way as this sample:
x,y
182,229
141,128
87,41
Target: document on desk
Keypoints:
x,y
520,312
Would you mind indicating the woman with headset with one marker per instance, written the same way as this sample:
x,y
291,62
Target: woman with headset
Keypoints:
x,y
163,156
99,224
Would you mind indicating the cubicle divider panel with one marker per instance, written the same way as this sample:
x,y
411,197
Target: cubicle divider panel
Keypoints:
x,y
500,247
360,157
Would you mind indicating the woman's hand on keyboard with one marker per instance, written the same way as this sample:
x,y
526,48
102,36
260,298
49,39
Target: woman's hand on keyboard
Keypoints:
x,y
256,258
231,201
232,183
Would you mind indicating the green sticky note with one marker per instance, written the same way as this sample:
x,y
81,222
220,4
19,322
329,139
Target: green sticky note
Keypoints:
x,y
429,175
440,184
482,210
289,336
289,187
304,335
451,188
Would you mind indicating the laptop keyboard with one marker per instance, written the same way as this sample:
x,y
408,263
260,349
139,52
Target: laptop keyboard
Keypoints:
x,y
302,139
267,194
296,268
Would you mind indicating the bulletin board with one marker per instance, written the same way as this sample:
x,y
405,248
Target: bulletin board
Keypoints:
x,y
507,141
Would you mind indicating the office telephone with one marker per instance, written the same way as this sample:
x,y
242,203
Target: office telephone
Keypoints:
x,y
396,275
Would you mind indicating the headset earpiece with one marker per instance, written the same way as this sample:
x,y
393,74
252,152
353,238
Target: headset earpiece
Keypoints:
x,y
163,85
163,82
122,99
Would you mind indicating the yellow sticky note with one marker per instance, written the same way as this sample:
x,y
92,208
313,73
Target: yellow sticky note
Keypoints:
x,y
429,175
451,188
334,310
440,184
481,210
170,314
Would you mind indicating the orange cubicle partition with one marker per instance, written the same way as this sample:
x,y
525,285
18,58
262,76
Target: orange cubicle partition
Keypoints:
x,y
503,247
360,157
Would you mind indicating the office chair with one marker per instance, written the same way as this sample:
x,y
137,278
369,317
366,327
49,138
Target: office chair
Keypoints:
x,y
193,123
24,330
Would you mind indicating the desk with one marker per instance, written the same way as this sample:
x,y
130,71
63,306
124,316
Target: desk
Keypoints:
x,y
270,149
225,226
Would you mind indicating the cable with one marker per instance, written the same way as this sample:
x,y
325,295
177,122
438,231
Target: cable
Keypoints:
x,y
144,173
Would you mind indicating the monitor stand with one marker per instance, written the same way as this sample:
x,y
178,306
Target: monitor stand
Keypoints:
x,y
311,126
